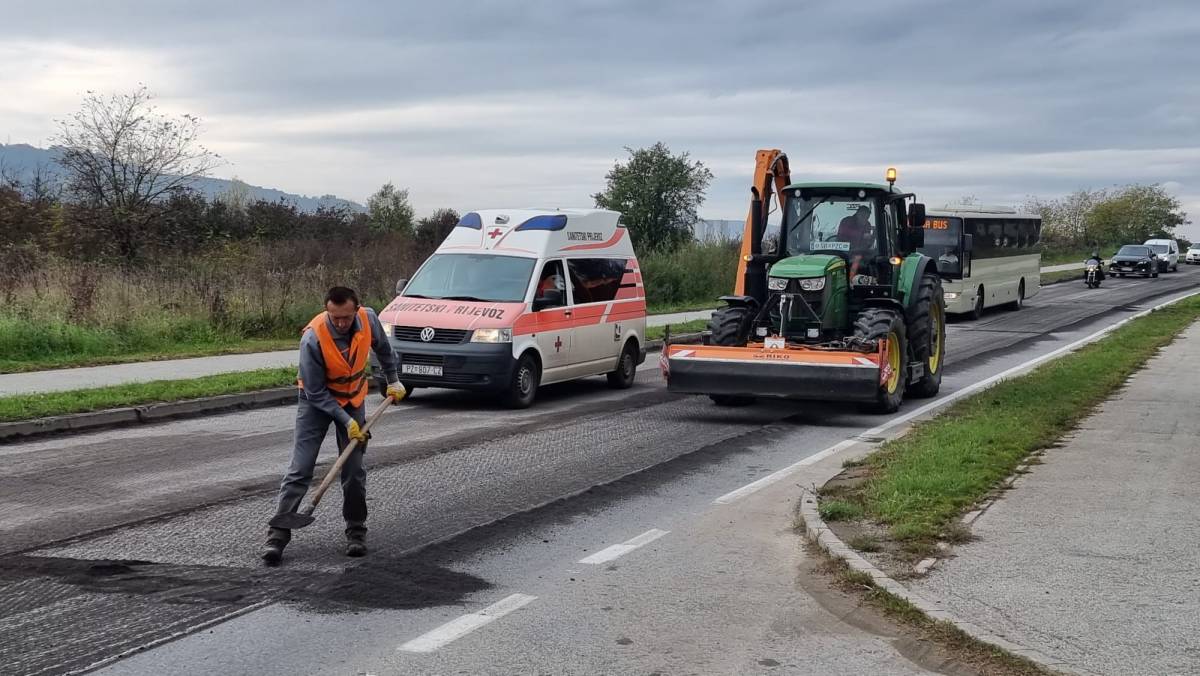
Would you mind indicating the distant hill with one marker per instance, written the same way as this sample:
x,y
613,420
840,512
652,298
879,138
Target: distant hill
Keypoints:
x,y
21,161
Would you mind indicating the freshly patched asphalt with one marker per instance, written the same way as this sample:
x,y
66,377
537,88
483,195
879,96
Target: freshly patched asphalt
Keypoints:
x,y
470,504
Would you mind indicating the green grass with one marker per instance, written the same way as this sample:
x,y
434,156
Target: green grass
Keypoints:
x,y
657,332
921,483
1075,255
692,306
29,406
840,510
1049,278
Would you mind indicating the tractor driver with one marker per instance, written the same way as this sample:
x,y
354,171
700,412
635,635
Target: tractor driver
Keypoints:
x,y
857,231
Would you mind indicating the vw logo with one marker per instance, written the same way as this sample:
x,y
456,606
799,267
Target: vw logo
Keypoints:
x,y
427,334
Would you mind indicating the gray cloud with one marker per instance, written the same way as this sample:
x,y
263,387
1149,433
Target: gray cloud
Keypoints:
x,y
531,101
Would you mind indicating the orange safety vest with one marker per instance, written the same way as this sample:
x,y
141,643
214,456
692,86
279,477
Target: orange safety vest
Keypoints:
x,y
346,379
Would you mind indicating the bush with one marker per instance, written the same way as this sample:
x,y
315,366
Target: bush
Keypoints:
x,y
695,274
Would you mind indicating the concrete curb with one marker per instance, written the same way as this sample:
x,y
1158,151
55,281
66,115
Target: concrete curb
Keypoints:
x,y
189,408
819,533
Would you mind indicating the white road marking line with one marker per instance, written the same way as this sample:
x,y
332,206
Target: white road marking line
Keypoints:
x,y
431,641
617,551
1019,369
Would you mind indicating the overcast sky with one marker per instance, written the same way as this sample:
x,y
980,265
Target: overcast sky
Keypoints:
x,y
520,103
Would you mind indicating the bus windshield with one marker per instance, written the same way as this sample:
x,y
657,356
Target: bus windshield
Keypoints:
x,y
830,224
943,238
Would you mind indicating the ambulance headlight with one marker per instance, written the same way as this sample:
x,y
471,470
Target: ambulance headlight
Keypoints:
x,y
814,284
492,336
777,283
389,330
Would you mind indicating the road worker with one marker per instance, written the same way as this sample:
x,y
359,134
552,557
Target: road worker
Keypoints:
x,y
333,387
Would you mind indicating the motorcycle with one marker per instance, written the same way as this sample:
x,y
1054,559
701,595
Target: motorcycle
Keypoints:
x,y
1093,273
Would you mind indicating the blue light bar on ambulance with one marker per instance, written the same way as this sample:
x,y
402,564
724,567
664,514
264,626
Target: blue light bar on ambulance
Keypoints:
x,y
546,222
470,220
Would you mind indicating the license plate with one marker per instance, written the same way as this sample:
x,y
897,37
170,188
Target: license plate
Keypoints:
x,y
421,370
775,343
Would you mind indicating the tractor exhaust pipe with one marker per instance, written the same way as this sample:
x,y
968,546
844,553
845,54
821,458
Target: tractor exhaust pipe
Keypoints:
x,y
756,273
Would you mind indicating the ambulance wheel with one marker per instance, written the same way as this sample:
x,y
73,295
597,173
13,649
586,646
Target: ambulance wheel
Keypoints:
x,y
928,336
881,324
522,389
622,378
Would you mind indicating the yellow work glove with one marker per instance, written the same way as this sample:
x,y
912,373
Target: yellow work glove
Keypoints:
x,y
355,432
396,391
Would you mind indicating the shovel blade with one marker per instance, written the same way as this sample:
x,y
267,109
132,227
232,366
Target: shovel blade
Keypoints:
x,y
292,520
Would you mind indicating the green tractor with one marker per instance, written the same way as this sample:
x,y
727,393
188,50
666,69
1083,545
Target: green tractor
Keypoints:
x,y
844,307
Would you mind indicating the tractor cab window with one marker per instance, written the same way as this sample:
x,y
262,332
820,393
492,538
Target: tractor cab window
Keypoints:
x,y
831,224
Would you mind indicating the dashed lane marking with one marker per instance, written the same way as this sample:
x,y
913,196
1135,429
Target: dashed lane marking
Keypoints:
x,y
431,641
617,551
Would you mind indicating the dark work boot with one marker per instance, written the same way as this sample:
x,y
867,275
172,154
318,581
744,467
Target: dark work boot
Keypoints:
x,y
356,542
272,552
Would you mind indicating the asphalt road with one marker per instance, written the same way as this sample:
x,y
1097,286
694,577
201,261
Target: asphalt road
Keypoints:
x,y
482,524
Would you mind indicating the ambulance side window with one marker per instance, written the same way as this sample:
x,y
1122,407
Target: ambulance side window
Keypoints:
x,y
595,280
552,279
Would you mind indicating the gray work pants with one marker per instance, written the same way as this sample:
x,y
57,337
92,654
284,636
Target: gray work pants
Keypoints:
x,y
311,425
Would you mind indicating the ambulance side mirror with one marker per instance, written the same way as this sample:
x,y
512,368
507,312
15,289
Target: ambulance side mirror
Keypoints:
x,y
400,284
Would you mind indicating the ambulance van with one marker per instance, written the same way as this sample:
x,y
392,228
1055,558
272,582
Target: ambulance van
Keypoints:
x,y
516,299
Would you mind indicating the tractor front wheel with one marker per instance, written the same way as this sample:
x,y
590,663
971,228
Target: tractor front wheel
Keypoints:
x,y
729,327
884,325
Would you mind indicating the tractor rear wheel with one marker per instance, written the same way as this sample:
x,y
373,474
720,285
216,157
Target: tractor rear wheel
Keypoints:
x,y
882,324
927,336
729,327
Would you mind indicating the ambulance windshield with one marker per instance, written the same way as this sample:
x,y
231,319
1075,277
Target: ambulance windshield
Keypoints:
x,y
488,278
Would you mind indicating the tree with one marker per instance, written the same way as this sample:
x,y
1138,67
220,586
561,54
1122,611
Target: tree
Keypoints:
x,y
1065,221
1136,213
122,156
236,196
657,194
388,210
432,229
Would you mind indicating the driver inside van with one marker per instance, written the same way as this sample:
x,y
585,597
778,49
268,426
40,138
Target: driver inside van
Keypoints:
x,y
550,281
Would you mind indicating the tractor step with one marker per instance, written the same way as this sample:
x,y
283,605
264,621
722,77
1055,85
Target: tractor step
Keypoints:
x,y
793,373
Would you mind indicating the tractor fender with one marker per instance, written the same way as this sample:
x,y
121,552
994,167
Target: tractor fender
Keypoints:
x,y
912,269
887,303
740,301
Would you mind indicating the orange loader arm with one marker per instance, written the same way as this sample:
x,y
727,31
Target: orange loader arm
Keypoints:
x,y
771,175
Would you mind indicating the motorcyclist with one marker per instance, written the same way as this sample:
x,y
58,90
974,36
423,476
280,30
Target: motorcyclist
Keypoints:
x,y
1099,262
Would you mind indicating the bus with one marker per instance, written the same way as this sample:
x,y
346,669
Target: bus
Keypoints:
x,y
996,251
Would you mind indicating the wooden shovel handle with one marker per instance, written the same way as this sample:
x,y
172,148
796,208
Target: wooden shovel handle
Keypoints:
x,y
341,459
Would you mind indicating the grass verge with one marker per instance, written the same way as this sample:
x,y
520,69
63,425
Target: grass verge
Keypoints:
x,y
30,406
657,332
1049,278
919,484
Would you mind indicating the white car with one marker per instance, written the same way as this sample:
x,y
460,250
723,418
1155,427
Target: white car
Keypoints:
x,y
1167,251
1193,256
